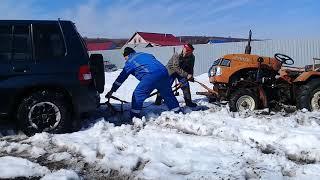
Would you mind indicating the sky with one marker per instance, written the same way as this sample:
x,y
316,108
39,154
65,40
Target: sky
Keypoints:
x,y
268,19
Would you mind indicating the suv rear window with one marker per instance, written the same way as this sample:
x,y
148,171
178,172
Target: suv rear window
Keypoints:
x,y
5,43
49,43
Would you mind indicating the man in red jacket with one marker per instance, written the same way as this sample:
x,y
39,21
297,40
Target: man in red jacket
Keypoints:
x,y
180,67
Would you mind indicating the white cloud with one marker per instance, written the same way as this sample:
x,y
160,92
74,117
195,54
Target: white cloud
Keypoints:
x,y
121,18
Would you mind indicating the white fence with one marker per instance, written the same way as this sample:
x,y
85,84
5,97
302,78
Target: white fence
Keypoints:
x,y
302,51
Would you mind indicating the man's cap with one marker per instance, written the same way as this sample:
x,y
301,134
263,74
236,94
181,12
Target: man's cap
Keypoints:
x,y
127,51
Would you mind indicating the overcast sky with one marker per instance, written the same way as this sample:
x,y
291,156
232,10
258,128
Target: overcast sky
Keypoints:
x,y
269,19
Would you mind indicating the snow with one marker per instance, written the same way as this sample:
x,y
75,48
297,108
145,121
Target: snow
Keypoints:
x,y
62,175
212,143
13,167
59,156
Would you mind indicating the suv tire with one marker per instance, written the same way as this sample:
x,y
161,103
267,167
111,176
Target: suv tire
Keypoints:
x,y
44,111
243,99
308,96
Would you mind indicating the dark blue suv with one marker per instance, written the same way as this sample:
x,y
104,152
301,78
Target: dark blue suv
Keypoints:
x,y
47,79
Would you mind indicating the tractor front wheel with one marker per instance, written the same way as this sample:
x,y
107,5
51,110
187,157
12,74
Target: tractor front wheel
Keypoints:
x,y
243,100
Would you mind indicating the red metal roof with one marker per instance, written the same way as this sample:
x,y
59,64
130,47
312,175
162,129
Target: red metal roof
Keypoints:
x,y
160,39
98,46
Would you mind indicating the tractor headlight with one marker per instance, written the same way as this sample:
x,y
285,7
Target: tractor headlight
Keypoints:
x,y
212,71
218,71
215,71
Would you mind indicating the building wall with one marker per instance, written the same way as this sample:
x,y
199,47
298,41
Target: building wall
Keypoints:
x,y
137,39
302,52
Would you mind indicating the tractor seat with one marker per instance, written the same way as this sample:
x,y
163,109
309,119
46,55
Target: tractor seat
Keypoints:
x,y
293,74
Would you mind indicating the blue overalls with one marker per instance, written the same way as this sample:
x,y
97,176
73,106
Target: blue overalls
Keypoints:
x,y
152,75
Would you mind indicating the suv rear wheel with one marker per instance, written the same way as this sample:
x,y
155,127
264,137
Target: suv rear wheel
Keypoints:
x,y
44,111
308,96
243,100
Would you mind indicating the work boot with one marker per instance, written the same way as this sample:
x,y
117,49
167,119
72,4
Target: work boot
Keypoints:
x,y
158,101
187,97
191,104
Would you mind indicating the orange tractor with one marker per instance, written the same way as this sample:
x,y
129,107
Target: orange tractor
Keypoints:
x,y
250,82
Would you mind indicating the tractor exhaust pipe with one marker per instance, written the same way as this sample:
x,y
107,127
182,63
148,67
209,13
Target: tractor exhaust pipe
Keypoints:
x,y
248,47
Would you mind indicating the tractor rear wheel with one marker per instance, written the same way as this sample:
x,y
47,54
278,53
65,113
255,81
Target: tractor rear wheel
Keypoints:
x,y
243,100
308,96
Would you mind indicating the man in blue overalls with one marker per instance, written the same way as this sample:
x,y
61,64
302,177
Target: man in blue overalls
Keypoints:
x,y
152,75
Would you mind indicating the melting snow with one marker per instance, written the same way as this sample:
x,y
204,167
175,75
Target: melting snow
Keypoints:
x,y
208,144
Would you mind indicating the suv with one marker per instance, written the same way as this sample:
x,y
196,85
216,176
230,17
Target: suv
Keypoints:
x,y
47,80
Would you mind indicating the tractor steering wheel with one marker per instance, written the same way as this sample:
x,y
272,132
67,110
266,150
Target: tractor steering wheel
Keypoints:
x,y
284,59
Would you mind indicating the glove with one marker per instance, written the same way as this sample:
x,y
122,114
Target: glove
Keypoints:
x,y
190,78
109,94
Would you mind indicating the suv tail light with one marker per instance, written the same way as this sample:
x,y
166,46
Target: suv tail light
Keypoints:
x,y
85,75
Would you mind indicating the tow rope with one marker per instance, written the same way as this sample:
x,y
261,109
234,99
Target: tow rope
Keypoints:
x,y
115,111
111,107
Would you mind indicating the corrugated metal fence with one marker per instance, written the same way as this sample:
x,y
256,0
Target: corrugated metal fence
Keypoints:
x,y
302,51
